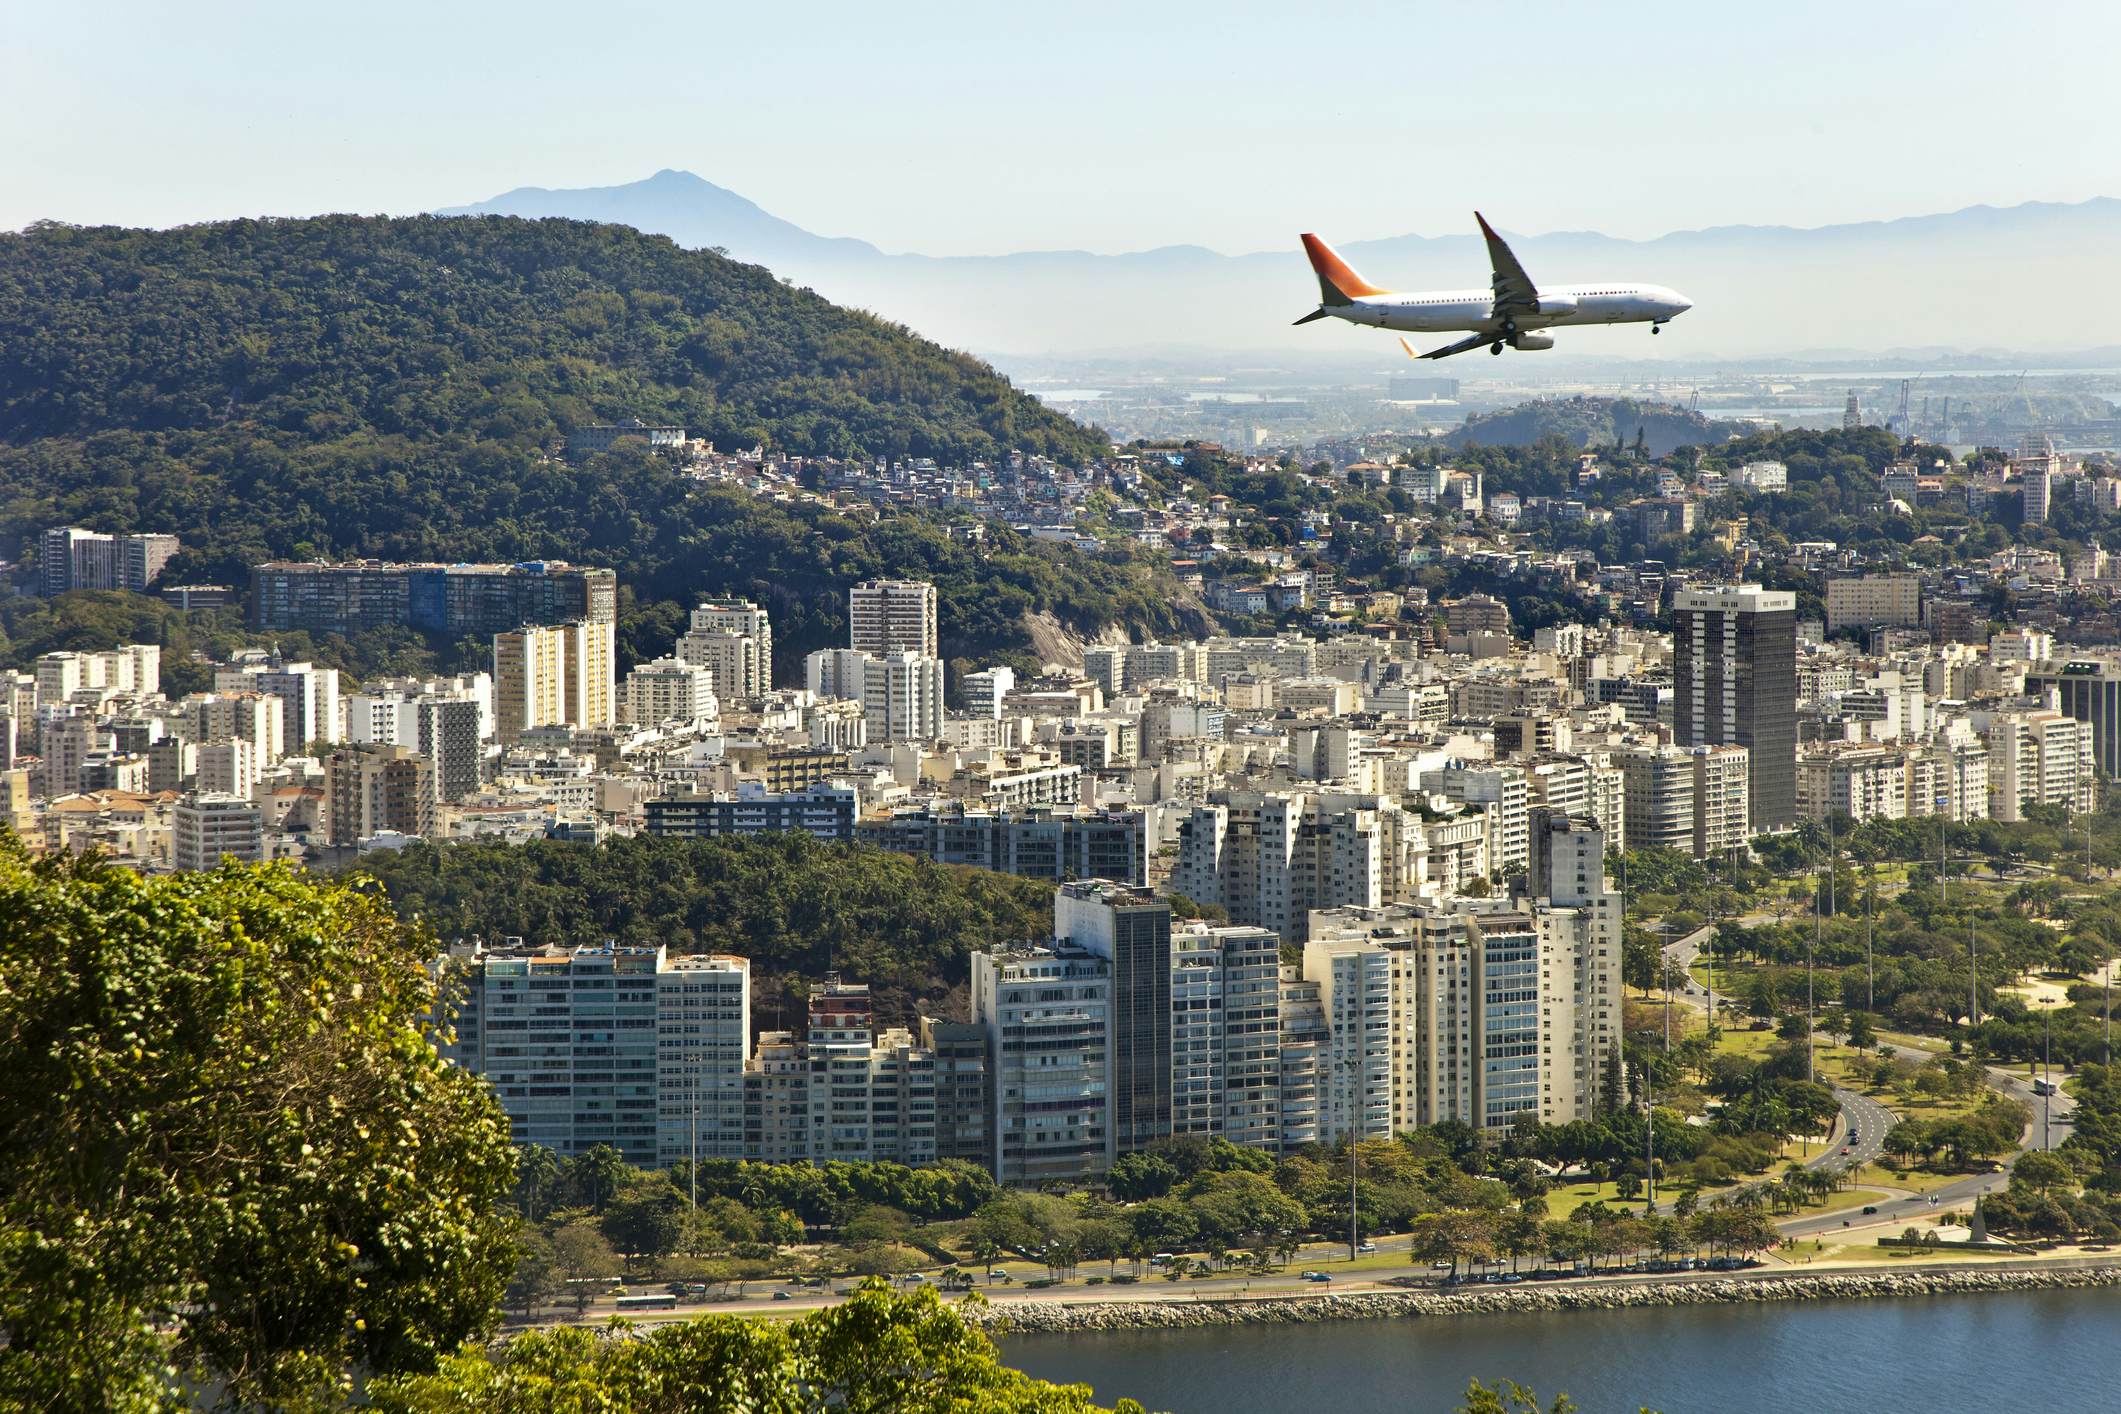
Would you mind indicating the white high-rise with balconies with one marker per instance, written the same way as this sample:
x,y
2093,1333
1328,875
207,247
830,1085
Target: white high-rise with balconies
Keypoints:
x,y
886,616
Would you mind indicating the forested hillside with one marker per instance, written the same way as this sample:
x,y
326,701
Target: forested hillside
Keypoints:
x,y
348,387
798,909
1656,428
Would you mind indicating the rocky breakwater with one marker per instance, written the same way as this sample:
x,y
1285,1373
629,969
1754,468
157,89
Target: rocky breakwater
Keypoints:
x,y
1066,1317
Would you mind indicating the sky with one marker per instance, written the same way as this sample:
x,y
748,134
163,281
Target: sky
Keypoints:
x,y
983,129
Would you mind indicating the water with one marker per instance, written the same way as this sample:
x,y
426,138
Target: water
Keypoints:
x,y
2050,1350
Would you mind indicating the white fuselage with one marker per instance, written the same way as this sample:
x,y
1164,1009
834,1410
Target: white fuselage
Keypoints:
x,y
1444,311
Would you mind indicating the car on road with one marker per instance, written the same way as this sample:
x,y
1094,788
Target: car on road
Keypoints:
x,y
1317,1276
1870,1209
1367,1247
782,1296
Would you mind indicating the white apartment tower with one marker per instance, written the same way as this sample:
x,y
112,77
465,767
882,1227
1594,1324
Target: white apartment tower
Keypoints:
x,y
887,616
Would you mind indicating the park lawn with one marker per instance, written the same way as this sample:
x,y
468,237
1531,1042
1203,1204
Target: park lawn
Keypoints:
x,y
1908,1180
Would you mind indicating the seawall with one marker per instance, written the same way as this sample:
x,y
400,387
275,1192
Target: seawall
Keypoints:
x,y
1067,1317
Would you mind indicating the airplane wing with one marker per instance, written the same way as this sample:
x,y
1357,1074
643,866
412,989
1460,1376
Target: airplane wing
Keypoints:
x,y
1513,288
1465,345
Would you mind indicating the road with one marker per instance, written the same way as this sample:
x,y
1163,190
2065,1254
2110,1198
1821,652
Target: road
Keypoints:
x,y
1864,1123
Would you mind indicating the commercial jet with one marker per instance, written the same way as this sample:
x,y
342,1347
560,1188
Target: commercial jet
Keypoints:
x,y
1509,312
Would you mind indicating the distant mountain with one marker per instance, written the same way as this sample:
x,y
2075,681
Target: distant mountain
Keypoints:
x,y
2031,276
690,210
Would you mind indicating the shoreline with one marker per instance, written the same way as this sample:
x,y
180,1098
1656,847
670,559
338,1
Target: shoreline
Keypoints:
x,y
1023,1318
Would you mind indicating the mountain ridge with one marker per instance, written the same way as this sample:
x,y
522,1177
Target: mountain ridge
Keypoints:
x,y
1979,276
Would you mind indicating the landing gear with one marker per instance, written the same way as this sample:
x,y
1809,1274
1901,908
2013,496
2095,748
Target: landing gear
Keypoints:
x,y
1656,328
1496,347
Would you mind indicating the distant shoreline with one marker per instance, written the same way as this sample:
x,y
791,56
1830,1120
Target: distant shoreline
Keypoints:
x,y
1089,1317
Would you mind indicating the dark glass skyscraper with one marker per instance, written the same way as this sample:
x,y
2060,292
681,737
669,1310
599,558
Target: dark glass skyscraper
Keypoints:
x,y
1734,683
1131,928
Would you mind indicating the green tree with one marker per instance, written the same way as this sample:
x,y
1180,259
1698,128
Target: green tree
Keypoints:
x,y
227,1144
647,1222
584,1256
878,1352
537,1274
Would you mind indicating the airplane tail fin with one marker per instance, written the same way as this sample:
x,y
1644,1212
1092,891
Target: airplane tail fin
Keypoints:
x,y
1337,281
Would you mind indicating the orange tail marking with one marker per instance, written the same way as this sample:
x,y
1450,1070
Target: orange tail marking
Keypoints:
x,y
1337,282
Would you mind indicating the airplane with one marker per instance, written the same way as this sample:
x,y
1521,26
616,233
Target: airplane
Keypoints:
x,y
1509,313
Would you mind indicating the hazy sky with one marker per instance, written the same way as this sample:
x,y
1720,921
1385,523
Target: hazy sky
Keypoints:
x,y
960,128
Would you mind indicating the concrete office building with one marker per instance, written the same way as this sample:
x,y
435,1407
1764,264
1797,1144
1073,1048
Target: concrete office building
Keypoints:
x,y
1735,684
886,616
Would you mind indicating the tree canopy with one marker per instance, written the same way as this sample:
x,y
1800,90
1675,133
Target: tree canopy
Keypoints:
x,y
797,908
229,1153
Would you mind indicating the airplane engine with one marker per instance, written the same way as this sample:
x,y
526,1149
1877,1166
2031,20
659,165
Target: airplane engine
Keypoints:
x,y
1531,341
1556,305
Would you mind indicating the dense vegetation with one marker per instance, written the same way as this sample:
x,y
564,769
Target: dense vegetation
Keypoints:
x,y
502,332
1594,422
878,1352
347,387
228,1150
797,908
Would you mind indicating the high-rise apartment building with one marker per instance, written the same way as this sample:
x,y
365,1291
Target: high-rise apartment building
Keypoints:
x,y
886,616
570,1042
702,1032
902,697
987,689
1696,801
445,599
1353,1068
1131,930
207,828
71,558
556,675
1046,1015
309,696
668,690
733,638
1735,684
372,790
1226,1059
1873,601
1034,842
